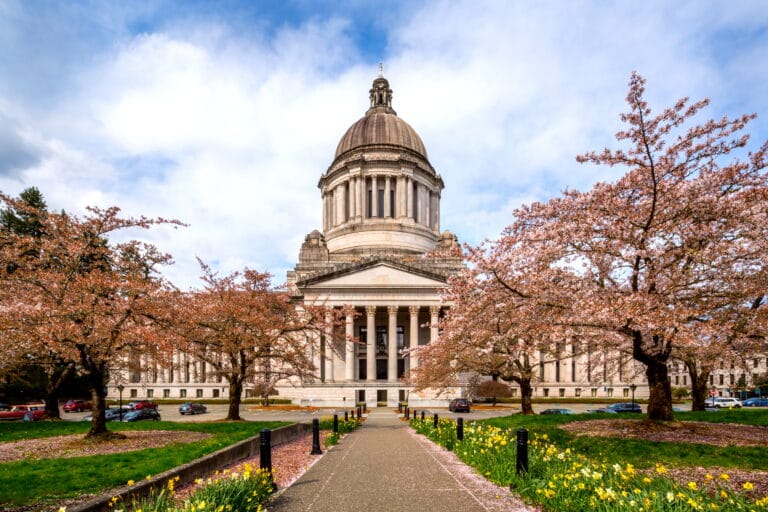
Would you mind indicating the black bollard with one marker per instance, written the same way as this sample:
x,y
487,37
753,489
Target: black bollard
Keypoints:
x,y
316,438
335,423
265,452
346,416
399,407
359,414
460,429
435,420
407,413
422,415
521,465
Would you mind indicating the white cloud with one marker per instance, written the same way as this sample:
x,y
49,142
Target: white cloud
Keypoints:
x,y
230,131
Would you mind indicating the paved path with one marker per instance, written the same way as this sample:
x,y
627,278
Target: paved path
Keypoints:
x,y
385,466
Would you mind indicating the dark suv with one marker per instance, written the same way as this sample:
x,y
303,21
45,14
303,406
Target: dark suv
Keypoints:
x,y
458,405
625,407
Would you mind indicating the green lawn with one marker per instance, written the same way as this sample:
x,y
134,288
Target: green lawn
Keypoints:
x,y
50,480
645,453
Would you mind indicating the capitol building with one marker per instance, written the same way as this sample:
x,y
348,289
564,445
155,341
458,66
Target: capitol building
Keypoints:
x,y
383,253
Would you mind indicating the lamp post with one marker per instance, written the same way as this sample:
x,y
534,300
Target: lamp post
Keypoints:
x,y
633,387
120,389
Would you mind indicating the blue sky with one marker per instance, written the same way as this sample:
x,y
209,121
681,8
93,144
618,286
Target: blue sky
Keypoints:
x,y
225,114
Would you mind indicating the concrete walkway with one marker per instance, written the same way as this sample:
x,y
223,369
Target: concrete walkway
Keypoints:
x,y
385,466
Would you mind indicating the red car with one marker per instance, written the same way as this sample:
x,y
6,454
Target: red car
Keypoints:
x,y
77,406
142,404
18,412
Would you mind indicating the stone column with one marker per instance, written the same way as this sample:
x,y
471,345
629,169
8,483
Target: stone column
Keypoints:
x,y
387,203
329,354
437,212
434,311
409,198
392,353
349,367
370,351
361,196
414,334
374,196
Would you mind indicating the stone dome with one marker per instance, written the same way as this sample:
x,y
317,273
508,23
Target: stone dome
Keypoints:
x,y
380,126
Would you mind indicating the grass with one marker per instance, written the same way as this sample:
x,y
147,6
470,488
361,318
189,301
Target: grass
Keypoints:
x,y
44,479
570,473
641,453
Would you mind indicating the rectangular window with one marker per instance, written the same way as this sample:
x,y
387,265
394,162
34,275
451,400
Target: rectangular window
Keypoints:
x,y
677,380
183,393
199,393
561,392
573,370
363,346
249,393
711,379
731,380
400,337
610,392
721,379
514,392
215,393
593,392
577,392
392,203
150,393
685,380
368,204
166,393
546,392
557,371
381,340
380,206
134,393
625,391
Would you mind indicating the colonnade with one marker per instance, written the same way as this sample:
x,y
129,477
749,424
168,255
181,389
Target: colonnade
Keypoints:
x,y
383,195
351,354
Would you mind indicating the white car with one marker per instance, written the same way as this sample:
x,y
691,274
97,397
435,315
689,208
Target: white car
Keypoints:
x,y
726,402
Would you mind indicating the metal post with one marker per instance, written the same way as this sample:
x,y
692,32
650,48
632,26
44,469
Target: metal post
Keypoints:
x,y
633,387
265,451
435,420
399,407
460,429
335,423
521,465
407,413
346,416
422,415
316,438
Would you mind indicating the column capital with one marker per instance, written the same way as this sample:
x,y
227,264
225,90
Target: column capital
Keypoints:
x,y
370,310
414,310
392,310
435,310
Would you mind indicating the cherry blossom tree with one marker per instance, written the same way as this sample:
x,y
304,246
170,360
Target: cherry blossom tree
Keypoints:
x,y
247,331
83,299
669,255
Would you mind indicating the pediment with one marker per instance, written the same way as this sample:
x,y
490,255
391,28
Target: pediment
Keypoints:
x,y
379,275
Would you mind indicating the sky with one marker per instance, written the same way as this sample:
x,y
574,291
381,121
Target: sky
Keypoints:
x,y
225,114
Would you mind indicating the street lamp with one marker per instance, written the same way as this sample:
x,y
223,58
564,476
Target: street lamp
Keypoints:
x,y
633,387
120,389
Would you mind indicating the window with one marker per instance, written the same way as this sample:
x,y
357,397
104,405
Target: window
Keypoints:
x,y
731,379
685,380
722,379
677,380
392,203
199,393
215,393
711,379
610,392
625,392
249,393
363,346
514,392
381,340
150,393
577,391
183,393
134,393
380,206
166,393
561,392
400,337
368,204
593,392
546,391
557,371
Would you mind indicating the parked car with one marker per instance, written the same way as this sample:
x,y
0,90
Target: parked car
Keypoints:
x,y
557,411
18,412
755,402
621,407
4,406
142,404
192,408
722,402
76,406
111,414
459,405
141,414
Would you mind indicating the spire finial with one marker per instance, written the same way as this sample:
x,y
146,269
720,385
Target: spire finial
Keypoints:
x,y
381,70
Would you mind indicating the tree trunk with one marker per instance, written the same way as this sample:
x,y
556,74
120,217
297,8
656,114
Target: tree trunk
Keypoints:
x,y
235,390
97,383
265,399
59,374
698,385
660,400
526,392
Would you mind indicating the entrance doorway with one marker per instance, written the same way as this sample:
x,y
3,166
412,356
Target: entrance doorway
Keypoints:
x,y
360,396
381,397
